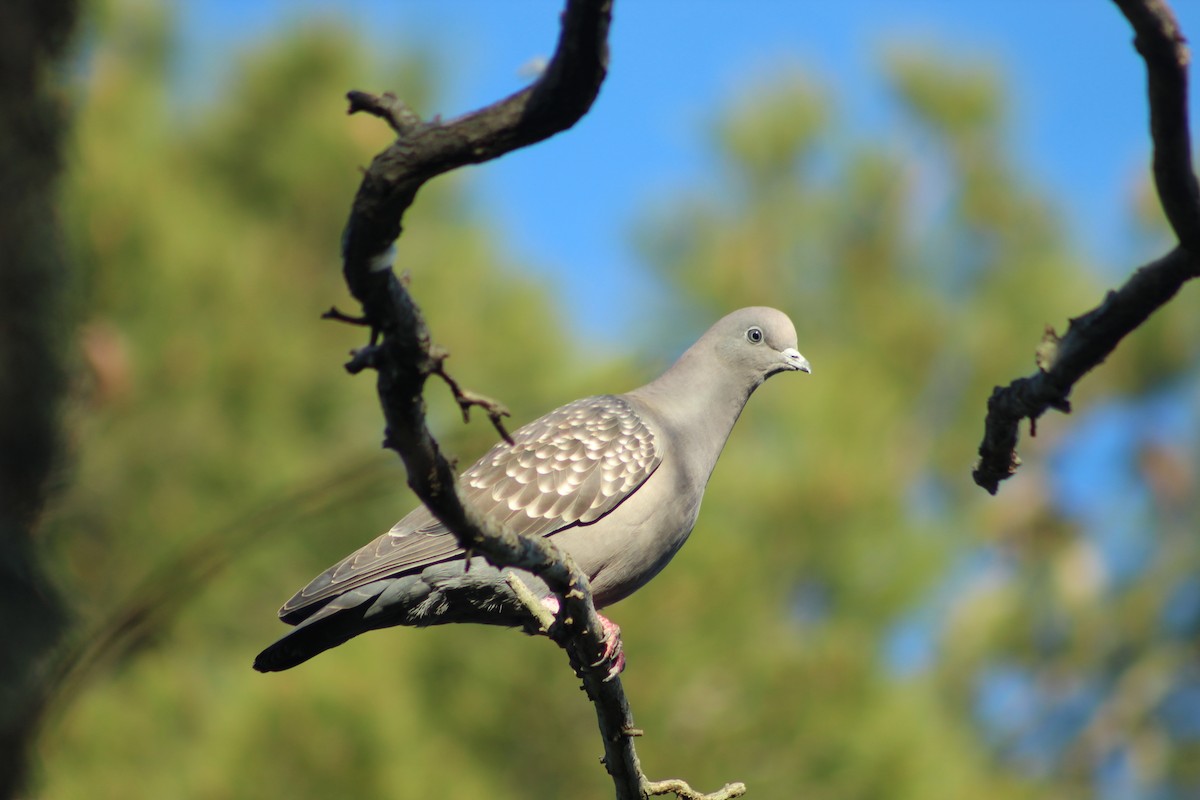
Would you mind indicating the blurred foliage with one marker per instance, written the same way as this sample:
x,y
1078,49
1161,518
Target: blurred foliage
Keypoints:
x,y
222,458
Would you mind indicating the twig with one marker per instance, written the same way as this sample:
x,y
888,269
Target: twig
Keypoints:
x,y
681,790
465,398
1092,337
338,316
543,616
402,119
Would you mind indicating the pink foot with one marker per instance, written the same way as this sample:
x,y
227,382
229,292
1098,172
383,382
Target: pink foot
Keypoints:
x,y
614,651
613,656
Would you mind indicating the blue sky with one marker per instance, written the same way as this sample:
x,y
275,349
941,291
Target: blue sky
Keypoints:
x,y
1076,87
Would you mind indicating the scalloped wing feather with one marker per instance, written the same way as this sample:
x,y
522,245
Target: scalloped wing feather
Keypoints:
x,y
570,467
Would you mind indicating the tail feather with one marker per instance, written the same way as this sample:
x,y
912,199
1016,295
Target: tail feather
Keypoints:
x,y
337,622
441,593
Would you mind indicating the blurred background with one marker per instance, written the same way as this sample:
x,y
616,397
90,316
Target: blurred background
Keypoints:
x,y
922,186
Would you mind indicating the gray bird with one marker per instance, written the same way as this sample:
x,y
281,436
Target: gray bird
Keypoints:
x,y
615,479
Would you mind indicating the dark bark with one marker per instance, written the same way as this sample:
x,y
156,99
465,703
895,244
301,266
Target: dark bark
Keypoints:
x,y
402,353
34,328
1093,336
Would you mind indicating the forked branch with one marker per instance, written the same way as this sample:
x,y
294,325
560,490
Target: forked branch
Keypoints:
x,y
402,352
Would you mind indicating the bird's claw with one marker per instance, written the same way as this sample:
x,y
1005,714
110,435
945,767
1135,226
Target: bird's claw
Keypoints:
x,y
614,651
612,660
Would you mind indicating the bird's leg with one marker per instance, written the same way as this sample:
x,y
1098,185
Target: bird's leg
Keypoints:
x,y
613,656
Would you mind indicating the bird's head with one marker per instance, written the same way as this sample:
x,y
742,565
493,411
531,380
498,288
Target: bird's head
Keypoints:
x,y
759,342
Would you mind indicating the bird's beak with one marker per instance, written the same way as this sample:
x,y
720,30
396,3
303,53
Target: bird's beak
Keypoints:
x,y
794,361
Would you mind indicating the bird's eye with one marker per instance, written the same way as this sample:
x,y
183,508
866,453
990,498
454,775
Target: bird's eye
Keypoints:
x,y
754,335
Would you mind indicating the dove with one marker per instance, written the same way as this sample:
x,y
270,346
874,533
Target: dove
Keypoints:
x,y
616,480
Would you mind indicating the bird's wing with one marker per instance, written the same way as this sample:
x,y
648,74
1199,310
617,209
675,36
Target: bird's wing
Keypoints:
x,y
570,467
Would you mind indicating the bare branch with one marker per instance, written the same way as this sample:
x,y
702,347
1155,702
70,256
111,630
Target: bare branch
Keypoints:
x,y
1092,337
405,356
555,102
1089,340
1161,43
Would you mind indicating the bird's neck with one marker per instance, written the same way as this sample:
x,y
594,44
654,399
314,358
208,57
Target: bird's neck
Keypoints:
x,y
698,408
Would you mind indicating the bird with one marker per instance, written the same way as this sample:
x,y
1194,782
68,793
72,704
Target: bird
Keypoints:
x,y
615,480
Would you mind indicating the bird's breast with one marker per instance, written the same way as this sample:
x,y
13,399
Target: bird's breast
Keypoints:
x,y
623,550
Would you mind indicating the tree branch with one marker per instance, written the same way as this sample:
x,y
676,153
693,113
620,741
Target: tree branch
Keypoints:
x,y
1161,43
402,352
1092,337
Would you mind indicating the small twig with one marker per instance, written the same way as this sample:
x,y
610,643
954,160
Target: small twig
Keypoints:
x,y
533,605
681,790
338,316
362,358
465,398
399,117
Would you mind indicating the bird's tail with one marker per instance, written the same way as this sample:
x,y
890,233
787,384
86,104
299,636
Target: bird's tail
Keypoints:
x,y
339,621
300,645
439,594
